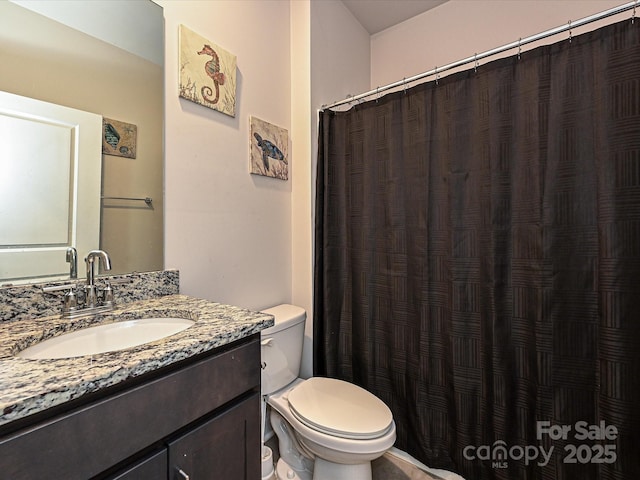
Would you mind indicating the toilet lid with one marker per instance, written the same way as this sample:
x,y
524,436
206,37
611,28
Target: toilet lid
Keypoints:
x,y
339,408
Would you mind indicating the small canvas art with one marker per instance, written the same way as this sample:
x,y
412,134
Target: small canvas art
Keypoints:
x,y
269,149
207,73
118,138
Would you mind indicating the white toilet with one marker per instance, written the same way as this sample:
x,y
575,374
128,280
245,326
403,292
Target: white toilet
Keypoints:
x,y
327,429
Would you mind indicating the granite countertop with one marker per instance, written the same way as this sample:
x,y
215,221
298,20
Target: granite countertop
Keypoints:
x,y
30,386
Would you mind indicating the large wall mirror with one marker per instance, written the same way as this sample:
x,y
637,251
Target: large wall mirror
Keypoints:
x,y
105,58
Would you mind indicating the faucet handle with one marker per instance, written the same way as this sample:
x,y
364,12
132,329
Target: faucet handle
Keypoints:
x,y
70,300
70,303
56,288
107,295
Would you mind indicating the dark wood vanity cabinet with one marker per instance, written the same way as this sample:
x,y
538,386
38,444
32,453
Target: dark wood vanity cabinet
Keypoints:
x,y
201,420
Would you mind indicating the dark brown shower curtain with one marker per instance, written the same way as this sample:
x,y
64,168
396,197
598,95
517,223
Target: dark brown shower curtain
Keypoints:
x,y
477,261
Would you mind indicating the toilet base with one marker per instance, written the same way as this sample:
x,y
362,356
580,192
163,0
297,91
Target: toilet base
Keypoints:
x,y
285,472
324,470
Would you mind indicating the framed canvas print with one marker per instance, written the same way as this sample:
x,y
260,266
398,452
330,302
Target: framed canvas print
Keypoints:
x,y
207,73
269,149
118,138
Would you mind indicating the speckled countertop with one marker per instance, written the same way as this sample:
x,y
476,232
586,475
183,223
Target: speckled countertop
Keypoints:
x,y
31,386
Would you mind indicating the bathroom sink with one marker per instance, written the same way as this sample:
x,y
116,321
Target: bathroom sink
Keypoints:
x,y
106,338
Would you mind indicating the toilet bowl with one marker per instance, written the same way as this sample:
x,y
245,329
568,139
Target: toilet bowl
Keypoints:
x,y
361,431
327,428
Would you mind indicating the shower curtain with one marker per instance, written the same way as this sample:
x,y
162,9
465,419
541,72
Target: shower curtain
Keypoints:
x,y
477,261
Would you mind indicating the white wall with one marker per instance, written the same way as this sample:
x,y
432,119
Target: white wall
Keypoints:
x,y
238,238
229,232
460,28
340,65
301,219
340,54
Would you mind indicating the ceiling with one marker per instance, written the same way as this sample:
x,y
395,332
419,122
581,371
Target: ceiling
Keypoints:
x,y
377,15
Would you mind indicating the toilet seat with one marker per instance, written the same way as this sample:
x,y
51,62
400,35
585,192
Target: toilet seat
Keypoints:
x,y
339,408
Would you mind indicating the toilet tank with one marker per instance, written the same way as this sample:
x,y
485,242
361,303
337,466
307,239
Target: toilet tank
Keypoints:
x,y
281,347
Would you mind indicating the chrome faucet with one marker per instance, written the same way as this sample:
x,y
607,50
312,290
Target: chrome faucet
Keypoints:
x,y
81,300
90,288
84,299
72,258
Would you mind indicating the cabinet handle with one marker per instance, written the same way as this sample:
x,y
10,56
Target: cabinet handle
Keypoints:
x,y
182,474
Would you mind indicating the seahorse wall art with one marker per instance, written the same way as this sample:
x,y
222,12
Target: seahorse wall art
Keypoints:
x,y
269,146
207,73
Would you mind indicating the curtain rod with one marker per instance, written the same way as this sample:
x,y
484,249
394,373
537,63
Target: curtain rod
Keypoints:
x,y
494,51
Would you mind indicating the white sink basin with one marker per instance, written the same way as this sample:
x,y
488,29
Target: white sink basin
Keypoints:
x,y
106,338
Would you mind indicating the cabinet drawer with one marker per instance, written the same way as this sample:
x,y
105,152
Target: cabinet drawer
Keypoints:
x,y
92,438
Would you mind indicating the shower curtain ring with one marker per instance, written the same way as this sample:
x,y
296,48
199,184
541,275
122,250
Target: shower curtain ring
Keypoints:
x,y
475,62
519,47
404,84
570,34
437,77
377,94
633,15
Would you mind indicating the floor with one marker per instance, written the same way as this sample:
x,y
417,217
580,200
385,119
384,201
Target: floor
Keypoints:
x,y
390,467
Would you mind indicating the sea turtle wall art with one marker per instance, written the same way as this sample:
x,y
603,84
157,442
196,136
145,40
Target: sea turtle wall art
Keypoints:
x,y
207,73
119,138
269,147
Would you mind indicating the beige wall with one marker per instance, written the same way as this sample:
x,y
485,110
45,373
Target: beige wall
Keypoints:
x,y
78,71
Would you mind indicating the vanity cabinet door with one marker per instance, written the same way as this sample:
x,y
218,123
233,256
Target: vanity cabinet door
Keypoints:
x,y
152,467
225,447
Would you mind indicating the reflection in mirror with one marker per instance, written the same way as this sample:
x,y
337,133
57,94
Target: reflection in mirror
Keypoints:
x,y
45,60
50,163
